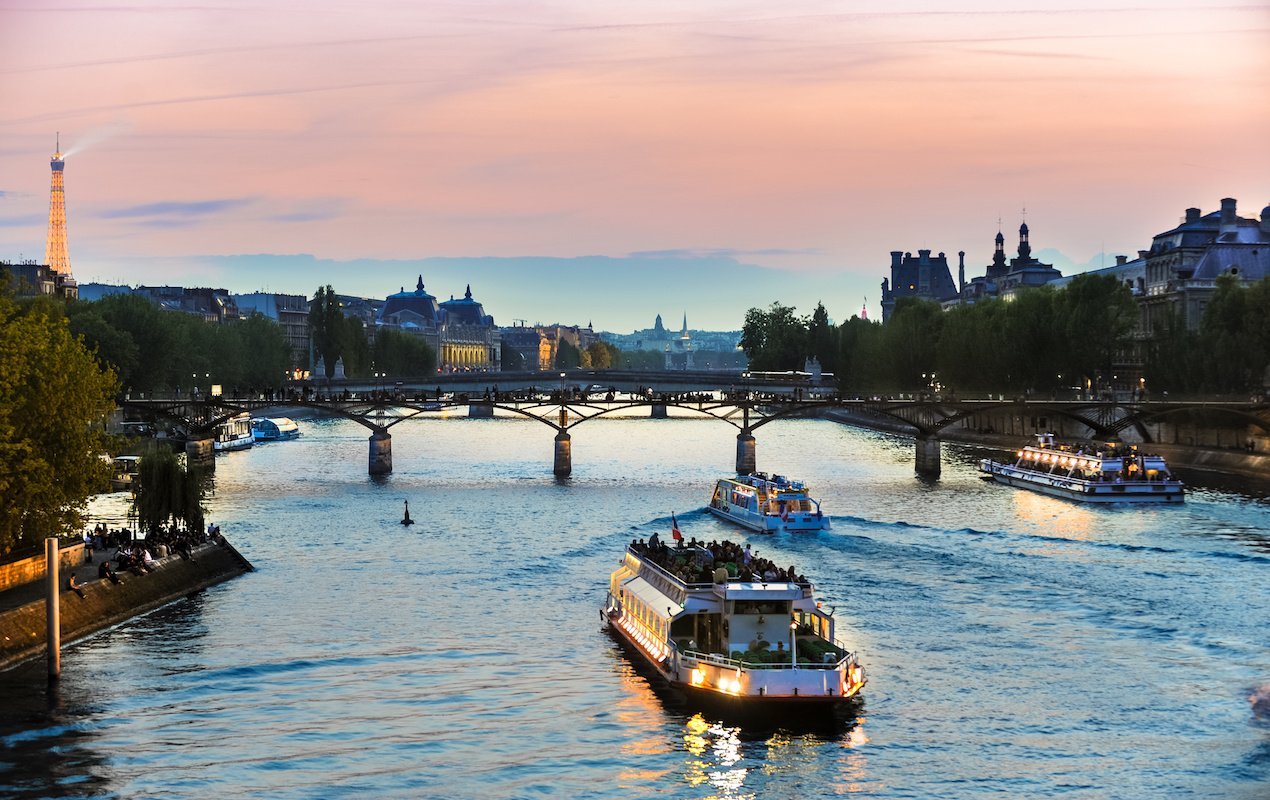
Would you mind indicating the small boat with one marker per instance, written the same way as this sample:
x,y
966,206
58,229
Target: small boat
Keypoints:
x,y
431,405
234,434
123,472
748,646
269,429
1093,473
767,505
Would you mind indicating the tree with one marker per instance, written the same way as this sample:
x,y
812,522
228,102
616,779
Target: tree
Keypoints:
x,y
822,339
168,491
401,355
326,327
268,354
1095,315
567,355
55,396
774,339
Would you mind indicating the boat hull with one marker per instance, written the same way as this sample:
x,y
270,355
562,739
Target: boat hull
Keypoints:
x,y
1084,491
798,523
228,445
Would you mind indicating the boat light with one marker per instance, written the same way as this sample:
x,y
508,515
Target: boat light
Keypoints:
x,y
698,676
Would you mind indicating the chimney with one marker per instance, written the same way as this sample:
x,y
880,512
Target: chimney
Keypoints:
x,y
923,255
1192,215
1228,217
961,270
895,258
1120,260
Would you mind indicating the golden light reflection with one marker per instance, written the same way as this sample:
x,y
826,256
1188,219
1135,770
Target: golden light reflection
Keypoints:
x,y
715,752
1052,516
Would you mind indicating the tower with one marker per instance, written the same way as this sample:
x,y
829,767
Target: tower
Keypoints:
x,y
55,254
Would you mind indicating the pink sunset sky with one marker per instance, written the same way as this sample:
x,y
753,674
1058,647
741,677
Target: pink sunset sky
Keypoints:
x,y
807,138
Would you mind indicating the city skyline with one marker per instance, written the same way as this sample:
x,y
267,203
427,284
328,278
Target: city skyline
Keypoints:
x,y
548,155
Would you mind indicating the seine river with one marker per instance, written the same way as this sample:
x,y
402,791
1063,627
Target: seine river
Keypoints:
x,y
1016,645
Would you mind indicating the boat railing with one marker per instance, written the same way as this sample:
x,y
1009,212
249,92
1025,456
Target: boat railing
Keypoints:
x,y
721,660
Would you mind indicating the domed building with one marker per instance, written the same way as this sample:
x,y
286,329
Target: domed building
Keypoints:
x,y
463,336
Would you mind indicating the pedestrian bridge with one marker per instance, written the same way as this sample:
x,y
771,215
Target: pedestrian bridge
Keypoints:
x,y
747,409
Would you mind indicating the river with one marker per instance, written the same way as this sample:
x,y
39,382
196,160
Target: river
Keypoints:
x,y
1016,645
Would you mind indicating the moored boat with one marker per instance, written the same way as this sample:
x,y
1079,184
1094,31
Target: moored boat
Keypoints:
x,y
768,505
752,646
1095,474
234,434
269,429
123,472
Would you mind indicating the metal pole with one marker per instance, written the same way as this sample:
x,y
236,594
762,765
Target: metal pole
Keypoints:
x,y
53,611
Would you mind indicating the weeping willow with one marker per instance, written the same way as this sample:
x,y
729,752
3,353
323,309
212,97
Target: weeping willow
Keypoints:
x,y
168,491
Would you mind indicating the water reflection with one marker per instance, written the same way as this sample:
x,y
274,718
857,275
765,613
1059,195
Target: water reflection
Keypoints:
x,y
1052,516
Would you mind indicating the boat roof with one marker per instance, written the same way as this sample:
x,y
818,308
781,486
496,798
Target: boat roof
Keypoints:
x,y
762,591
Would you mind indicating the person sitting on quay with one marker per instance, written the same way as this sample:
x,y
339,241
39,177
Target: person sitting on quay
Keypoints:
x,y
104,571
74,586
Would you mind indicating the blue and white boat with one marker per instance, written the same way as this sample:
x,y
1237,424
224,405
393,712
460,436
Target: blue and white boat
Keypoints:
x,y
1110,474
269,429
767,505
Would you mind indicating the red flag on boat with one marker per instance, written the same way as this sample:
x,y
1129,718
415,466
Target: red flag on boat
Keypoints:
x,y
674,528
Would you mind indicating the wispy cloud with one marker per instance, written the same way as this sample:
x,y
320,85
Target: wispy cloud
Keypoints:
x,y
176,209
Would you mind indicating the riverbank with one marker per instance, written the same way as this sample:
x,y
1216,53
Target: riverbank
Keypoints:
x,y
22,611
1205,459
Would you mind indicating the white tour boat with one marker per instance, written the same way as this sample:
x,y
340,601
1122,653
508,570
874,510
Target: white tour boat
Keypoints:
x,y
234,434
768,505
747,646
1097,475
123,472
268,429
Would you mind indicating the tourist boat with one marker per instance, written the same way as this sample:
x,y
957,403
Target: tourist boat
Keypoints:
x,y
269,429
768,505
123,472
710,640
234,434
1096,474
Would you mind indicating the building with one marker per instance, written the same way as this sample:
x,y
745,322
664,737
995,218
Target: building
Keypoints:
x,y
658,337
290,311
526,349
923,277
1004,279
1183,264
462,335
29,279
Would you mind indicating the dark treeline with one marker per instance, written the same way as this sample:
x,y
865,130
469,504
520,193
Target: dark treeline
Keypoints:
x,y
153,350
1044,340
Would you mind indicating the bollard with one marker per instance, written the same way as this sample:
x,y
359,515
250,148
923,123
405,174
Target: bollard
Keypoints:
x,y
52,555
380,452
745,456
564,456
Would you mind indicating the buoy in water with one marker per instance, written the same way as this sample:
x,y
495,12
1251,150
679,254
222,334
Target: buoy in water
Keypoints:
x,y
406,520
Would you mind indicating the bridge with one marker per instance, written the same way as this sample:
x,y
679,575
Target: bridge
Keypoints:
x,y
747,408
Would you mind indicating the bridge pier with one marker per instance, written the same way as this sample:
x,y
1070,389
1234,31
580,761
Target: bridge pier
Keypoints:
x,y
745,457
480,411
927,461
659,411
564,455
380,452
201,451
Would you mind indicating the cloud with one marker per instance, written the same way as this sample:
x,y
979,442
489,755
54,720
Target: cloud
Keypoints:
x,y
178,209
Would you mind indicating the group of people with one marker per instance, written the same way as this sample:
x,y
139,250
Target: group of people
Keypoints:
x,y
713,562
138,556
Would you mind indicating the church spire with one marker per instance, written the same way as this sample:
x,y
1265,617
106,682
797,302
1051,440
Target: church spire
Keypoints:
x,y
1025,248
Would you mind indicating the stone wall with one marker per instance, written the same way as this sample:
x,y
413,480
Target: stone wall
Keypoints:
x,y
27,570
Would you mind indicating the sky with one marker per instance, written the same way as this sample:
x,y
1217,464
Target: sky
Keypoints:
x,y
580,161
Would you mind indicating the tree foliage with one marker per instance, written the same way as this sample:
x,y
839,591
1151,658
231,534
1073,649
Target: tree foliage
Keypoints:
x,y
326,328
168,491
567,355
775,339
55,397
400,355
